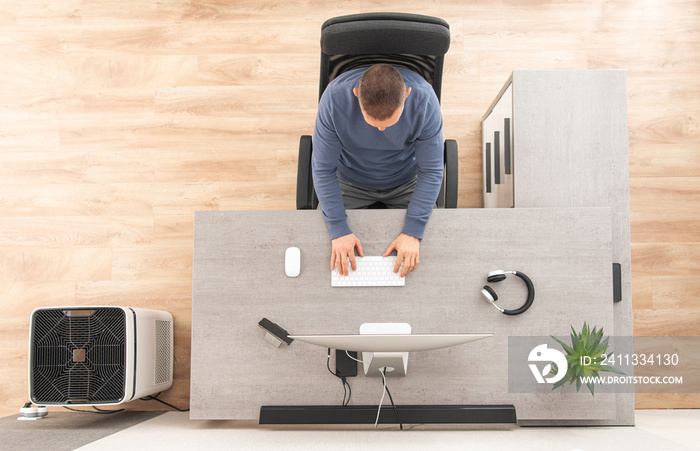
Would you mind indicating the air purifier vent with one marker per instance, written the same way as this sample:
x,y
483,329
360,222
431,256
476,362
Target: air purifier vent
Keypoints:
x,y
163,352
78,356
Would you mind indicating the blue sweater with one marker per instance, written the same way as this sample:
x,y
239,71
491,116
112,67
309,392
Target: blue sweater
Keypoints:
x,y
345,146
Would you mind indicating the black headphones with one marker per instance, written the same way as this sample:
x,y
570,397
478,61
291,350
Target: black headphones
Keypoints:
x,y
497,276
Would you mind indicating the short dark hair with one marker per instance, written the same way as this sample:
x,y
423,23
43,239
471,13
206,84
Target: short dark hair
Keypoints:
x,y
382,91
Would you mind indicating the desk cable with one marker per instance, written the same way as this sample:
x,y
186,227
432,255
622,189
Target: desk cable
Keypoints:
x,y
347,391
384,391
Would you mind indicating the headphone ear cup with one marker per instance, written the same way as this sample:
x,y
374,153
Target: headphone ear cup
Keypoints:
x,y
488,294
496,278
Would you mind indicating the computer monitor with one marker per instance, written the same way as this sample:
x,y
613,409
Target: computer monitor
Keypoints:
x,y
386,345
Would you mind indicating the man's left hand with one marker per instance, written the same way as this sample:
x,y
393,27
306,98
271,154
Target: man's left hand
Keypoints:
x,y
407,250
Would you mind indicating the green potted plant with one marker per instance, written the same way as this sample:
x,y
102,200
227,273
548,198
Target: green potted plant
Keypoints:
x,y
585,357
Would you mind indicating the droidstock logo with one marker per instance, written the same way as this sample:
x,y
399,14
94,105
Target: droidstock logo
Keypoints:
x,y
543,354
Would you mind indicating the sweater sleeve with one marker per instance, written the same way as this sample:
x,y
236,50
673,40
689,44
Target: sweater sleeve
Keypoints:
x,y
429,150
324,165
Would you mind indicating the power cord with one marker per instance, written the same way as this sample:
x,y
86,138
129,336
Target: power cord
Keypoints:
x,y
27,411
97,410
347,391
381,401
386,390
107,412
155,398
396,411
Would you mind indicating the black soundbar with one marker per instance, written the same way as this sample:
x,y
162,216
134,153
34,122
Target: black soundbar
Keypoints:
x,y
426,414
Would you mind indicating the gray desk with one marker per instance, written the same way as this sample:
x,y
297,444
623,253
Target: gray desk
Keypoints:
x,y
239,278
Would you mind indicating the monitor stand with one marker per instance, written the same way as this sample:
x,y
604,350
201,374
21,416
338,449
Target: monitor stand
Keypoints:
x,y
395,363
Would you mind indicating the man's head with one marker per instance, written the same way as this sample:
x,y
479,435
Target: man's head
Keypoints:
x,y
382,92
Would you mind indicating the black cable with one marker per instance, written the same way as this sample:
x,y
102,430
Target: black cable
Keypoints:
x,y
346,391
328,363
107,412
396,411
155,398
349,393
97,411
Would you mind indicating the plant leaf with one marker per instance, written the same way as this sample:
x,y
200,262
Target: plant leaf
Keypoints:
x,y
611,369
566,347
595,344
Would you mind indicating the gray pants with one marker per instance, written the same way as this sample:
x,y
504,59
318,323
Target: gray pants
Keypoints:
x,y
356,197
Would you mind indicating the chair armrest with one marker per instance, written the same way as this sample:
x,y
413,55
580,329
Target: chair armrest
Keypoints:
x,y
305,184
451,173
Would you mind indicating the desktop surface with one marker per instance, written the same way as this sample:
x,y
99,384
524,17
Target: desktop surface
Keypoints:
x,y
239,278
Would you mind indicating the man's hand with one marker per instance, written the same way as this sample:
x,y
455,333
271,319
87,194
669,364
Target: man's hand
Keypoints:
x,y
343,248
407,248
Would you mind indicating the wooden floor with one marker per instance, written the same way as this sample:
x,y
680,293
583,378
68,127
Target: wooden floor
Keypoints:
x,y
119,119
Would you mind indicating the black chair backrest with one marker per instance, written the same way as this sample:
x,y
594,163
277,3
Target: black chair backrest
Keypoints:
x,y
413,41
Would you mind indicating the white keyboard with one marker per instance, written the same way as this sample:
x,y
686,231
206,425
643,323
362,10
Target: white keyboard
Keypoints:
x,y
371,272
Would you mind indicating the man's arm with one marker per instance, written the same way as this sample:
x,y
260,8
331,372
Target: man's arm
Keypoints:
x,y
429,149
324,164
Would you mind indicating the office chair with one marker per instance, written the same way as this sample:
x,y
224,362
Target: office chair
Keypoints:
x,y
413,41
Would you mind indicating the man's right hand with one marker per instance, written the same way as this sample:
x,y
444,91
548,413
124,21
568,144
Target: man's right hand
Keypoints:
x,y
343,248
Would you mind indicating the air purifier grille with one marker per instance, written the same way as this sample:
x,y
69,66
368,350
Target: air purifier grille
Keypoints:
x,y
163,352
78,356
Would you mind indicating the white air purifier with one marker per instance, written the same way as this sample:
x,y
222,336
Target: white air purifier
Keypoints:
x,y
98,355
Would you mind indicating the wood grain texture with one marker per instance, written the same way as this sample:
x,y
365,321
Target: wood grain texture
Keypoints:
x,y
118,120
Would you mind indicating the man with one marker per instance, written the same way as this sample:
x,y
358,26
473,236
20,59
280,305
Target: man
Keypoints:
x,y
378,136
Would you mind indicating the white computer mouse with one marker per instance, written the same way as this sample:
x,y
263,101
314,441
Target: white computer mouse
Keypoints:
x,y
292,261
